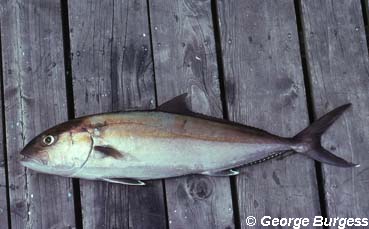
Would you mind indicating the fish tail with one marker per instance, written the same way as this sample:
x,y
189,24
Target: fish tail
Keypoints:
x,y
308,141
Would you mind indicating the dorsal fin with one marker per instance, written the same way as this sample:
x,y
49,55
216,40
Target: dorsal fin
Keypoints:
x,y
178,105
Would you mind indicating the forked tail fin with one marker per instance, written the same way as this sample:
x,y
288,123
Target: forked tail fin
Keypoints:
x,y
309,142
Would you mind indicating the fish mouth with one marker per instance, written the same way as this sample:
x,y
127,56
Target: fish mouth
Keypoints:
x,y
24,160
27,161
28,156
41,166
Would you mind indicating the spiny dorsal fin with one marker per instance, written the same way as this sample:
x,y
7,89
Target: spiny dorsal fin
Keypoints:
x,y
177,105
126,181
109,151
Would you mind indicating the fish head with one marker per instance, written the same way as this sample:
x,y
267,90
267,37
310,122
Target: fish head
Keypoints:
x,y
60,150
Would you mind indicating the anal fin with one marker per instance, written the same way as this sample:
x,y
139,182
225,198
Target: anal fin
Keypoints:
x,y
126,181
222,173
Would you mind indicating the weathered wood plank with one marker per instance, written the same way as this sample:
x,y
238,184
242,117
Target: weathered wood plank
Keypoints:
x,y
3,187
338,64
35,99
265,88
112,70
185,61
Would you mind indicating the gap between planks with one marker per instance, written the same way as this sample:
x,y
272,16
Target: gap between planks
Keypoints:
x,y
156,105
220,64
4,148
309,101
364,7
70,103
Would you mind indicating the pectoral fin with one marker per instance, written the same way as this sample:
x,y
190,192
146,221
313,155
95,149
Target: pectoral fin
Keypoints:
x,y
223,173
126,181
109,151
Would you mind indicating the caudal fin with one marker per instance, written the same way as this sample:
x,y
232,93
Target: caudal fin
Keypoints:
x,y
308,140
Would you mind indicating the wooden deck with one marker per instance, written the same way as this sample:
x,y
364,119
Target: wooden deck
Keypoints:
x,y
277,65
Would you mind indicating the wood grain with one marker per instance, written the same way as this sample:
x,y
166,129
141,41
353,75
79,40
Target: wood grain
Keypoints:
x,y
337,57
35,99
185,61
3,186
264,88
112,70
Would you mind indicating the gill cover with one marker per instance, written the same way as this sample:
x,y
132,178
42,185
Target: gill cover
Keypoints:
x,y
65,155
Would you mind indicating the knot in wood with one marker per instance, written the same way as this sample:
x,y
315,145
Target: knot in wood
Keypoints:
x,y
200,188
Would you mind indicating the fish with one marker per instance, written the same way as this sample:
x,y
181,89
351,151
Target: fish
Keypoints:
x,y
171,141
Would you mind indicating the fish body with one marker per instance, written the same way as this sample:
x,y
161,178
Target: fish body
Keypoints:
x,y
167,142
159,145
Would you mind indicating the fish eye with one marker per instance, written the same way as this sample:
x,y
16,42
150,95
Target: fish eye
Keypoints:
x,y
48,140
